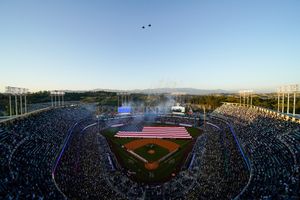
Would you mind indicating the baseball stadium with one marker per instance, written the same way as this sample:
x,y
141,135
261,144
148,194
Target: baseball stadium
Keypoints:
x,y
81,151
150,100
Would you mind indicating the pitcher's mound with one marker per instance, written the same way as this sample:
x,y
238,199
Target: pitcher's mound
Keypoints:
x,y
151,166
151,151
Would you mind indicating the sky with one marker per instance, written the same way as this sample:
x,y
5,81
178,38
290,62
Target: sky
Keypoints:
x,y
205,44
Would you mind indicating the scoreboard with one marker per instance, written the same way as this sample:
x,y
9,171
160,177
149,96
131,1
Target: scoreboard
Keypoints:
x,y
124,110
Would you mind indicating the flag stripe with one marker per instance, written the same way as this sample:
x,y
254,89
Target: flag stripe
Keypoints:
x,y
157,132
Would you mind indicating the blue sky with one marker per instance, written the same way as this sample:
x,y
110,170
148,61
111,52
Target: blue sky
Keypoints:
x,y
211,44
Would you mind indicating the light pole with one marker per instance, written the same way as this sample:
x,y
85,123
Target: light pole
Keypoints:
x,y
25,99
54,98
294,104
118,99
282,102
16,92
16,104
51,98
288,102
10,111
204,117
288,89
247,97
244,98
278,95
294,89
21,107
58,98
62,98
251,98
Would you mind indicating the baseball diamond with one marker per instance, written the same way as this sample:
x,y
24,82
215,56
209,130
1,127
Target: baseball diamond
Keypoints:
x,y
155,159
151,165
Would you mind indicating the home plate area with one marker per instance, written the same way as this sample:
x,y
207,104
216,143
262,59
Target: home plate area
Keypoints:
x,y
151,151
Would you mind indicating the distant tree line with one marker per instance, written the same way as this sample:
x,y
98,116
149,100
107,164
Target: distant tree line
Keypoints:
x,y
102,98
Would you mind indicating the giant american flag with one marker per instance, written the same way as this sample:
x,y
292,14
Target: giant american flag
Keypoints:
x,y
157,132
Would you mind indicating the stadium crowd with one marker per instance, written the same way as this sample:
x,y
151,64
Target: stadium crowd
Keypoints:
x,y
217,165
29,147
90,173
242,154
273,147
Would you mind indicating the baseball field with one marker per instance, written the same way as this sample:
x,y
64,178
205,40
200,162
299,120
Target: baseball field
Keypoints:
x,y
151,160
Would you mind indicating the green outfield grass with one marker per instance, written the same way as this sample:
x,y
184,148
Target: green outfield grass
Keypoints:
x,y
166,168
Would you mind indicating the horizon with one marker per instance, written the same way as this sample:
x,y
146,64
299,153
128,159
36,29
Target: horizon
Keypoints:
x,y
205,45
201,91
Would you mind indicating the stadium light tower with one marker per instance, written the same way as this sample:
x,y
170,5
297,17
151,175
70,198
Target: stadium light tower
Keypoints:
x,y
58,99
251,94
244,98
9,92
17,92
294,88
278,97
52,100
123,98
62,94
10,111
118,99
288,99
247,97
204,117
283,96
25,92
